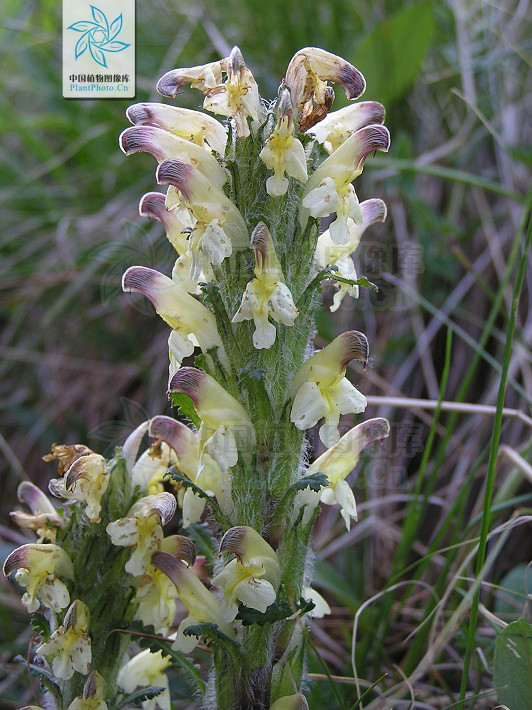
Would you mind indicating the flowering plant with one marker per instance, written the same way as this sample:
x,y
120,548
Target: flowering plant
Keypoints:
x,y
243,207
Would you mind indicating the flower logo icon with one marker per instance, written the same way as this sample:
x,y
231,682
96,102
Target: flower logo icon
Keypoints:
x,y
98,36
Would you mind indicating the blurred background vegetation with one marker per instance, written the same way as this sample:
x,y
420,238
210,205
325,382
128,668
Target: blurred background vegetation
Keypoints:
x,y
81,362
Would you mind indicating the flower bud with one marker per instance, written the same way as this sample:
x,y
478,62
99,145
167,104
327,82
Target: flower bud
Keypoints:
x,y
290,702
93,696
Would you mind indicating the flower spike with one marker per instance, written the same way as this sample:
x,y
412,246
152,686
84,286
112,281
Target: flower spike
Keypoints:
x,y
338,462
201,129
201,604
166,146
267,294
39,567
253,576
321,390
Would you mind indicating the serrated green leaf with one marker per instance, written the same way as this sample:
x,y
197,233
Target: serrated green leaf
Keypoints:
x,y
139,695
390,57
185,407
512,665
275,612
315,482
41,626
211,632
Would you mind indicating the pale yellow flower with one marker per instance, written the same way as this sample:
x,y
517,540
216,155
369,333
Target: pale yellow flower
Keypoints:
x,y
69,646
321,390
283,152
337,463
141,529
266,295
86,481
201,129
144,670
252,577
93,696
39,567
330,190
201,604
44,518
337,126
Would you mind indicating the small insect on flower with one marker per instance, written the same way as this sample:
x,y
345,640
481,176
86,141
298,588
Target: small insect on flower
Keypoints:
x,y
142,529
39,567
44,518
144,670
69,646
201,604
93,696
321,390
252,577
282,152
267,294
86,481
337,463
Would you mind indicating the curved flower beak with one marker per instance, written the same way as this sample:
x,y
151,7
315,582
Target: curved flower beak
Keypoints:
x,y
44,518
39,567
177,223
307,75
214,405
141,529
266,295
328,252
167,146
337,126
131,445
329,189
93,696
70,645
175,306
203,77
201,129
201,604
320,389
253,576
86,481
338,462
180,439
